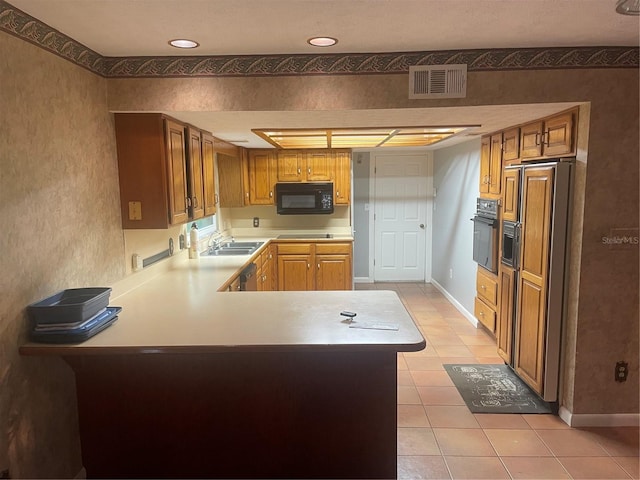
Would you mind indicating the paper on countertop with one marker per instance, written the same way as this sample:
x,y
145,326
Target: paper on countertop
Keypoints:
x,y
374,325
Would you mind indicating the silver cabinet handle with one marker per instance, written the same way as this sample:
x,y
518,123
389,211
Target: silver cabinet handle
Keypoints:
x,y
298,171
318,266
270,194
309,170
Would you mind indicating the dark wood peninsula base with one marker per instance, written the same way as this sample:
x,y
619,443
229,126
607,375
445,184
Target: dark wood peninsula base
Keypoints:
x,y
301,413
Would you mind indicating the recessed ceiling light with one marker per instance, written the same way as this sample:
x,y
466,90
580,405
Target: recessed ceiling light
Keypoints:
x,y
322,41
183,43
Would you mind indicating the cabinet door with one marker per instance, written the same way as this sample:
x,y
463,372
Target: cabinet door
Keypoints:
x,y
558,135
510,194
333,272
504,324
290,166
176,172
342,180
294,272
208,174
261,167
232,192
319,166
495,164
485,160
534,261
487,287
194,173
511,146
485,314
531,140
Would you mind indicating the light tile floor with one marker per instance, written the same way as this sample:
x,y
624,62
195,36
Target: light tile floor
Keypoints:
x,y
439,438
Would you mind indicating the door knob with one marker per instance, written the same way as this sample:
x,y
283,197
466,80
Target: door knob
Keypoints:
x,y
422,226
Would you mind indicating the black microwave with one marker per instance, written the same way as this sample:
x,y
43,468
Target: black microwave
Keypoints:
x,y
304,198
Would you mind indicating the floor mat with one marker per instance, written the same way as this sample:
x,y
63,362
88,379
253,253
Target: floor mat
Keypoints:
x,y
494,389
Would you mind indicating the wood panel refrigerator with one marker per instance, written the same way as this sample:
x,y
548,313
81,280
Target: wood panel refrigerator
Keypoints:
x,y
533,273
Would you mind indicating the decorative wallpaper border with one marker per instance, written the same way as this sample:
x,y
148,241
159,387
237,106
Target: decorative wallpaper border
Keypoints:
x,y
28,28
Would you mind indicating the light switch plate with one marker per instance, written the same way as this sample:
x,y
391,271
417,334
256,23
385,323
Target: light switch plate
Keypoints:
x,y
136,262
135,210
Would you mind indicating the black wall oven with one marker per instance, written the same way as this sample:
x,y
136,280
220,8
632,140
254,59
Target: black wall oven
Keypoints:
x,y
485,234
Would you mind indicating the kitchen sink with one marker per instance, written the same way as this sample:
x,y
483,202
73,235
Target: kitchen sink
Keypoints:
x,y
241,244
233,248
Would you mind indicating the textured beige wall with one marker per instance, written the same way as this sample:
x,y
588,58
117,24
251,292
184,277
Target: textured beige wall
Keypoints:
x,y
60,229
603,317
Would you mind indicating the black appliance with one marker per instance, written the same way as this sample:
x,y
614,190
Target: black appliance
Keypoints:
x,y
304,198
248,279
485,234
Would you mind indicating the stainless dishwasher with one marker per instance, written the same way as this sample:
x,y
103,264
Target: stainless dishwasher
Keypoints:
x,y
248,279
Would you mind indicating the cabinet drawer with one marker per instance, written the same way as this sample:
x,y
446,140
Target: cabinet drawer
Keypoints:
x,y
485,314
294,248
487,288
330,248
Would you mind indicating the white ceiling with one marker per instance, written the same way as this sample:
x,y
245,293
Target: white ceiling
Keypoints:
x,y
239,27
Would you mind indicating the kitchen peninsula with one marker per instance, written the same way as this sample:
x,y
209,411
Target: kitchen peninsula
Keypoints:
x,y
191,382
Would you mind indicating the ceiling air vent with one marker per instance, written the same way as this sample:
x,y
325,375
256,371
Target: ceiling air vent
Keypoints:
x,y
438,81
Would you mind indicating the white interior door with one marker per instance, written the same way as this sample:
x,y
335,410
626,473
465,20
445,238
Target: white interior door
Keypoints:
x,y
400,217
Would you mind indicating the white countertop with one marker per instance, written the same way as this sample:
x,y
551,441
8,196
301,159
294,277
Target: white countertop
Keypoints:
x,y
180,310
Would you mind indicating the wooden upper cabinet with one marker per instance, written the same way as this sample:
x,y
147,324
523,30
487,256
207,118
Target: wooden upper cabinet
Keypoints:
x,y
485,160
551,137
510,194
232,172
262,167
510,146
559,135
531,140
342,178
150,150
177,173
208,174
290,166
495,164
491,165
319,165
195,173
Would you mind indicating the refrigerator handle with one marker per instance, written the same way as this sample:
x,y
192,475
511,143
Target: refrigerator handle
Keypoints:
x,y
516,245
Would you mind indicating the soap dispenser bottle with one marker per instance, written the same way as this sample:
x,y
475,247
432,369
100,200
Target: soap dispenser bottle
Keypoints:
x,y
193,241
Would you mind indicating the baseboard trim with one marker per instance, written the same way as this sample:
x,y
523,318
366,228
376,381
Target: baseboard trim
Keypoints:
x,y
599,419
468,315
362,280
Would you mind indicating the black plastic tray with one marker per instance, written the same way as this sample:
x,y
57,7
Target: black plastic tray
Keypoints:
x,y
69,306
78,334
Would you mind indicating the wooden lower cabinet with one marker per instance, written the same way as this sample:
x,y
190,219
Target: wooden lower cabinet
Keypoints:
x,y
485,307
333,266
267,269
294,271
314,266
485,314
504,324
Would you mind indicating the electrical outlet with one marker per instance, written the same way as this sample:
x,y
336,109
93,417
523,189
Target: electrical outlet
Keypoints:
x,y
622,371
256,221
451,273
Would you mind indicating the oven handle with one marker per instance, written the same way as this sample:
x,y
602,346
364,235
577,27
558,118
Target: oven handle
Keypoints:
x,y
487,221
